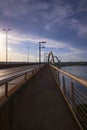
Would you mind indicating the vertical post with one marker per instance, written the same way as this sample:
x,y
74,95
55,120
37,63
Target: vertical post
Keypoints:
x,y
26,76
28,54
58,79
6,30
72,94
6,48
33,71
6,90
64,89
39,53
44,58
56,74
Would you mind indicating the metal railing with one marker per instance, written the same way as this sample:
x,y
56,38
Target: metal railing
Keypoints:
x,y
12,79
74,90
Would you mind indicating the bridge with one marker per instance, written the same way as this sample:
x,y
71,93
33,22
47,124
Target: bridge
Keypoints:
x,y
41,100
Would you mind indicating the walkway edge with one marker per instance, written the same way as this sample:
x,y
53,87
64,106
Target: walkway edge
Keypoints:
x,y
73,113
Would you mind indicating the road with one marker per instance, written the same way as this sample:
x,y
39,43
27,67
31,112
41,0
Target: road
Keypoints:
x,y
7,73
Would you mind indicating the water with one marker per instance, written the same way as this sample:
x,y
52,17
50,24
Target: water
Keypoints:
x,y
80,71
79,94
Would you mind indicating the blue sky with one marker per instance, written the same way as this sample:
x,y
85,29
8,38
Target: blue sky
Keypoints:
x,y
61,23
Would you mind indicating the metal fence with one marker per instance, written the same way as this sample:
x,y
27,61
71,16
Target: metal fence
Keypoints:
x,y
10,83
74,90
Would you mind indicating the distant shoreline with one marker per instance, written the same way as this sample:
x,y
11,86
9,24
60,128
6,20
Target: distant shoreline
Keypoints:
x,y
73,64
4,65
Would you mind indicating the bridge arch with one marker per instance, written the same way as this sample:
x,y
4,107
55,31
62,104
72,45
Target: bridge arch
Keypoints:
x,y
50,55
51,59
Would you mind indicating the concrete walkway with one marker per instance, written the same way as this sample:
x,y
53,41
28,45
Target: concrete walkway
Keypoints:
x,y
42,107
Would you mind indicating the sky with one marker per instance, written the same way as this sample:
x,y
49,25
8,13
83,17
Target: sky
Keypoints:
x,y
62,24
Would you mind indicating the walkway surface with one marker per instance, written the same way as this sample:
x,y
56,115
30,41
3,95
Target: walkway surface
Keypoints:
x,y
43,106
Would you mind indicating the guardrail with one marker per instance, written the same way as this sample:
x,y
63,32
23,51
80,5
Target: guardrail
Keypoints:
x,y
6,81
74,90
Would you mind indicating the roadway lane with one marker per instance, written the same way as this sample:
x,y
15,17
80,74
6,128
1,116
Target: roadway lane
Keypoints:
x,y
8,73
4,72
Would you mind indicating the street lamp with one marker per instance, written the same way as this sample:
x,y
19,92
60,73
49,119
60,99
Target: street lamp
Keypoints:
x,y
28,54
40,51
45,57
6,30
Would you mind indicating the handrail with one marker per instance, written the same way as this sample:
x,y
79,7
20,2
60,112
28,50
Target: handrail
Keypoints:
x,y
76,78
74,96
5,81
8,79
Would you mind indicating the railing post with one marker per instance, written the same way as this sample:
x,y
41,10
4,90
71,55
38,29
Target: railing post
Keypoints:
x,y
58,78
52,71
64,89
56,75
6,90
26,76
33,72
72,94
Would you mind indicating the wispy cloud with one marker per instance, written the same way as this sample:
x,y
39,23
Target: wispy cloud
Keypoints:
x,y
79,27
30,39
34,21
18,38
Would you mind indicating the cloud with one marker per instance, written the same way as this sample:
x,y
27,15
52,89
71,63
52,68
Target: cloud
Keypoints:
x,y
19,57
17,39
34,21
50,14
67,15
72,54
80,28
57,16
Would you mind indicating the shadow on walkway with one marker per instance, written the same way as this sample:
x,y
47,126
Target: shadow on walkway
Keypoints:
x,y
42,106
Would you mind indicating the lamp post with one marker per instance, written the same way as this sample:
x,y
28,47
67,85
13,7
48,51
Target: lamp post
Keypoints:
x,y
28,54
6,30
45,57
40,51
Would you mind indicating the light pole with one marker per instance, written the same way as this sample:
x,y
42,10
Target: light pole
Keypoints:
x,y
28,54
45,57
40,51
6,30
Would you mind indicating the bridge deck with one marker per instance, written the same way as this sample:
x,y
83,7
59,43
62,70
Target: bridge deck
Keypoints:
x,y
43,106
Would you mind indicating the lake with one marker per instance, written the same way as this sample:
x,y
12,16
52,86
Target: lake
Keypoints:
x,y
80,71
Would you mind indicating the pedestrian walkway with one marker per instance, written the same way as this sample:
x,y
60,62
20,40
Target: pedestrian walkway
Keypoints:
x,y
42,106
